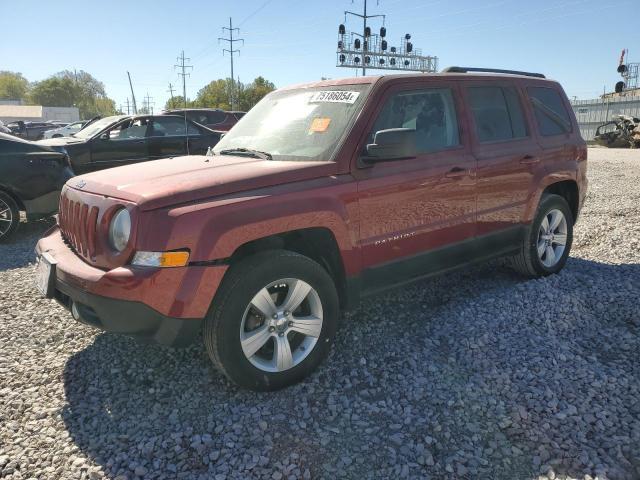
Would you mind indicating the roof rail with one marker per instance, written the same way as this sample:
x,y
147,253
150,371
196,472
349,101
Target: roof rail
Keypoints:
x,y
490,70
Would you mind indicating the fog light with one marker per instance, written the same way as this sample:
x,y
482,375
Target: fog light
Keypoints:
x,y
161,259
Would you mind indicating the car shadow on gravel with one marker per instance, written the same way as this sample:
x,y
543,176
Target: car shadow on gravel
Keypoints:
x,y
475,374
17,251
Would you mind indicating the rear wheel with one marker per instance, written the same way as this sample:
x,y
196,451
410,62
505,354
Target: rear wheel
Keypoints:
x,y
9,216
548,240
273,320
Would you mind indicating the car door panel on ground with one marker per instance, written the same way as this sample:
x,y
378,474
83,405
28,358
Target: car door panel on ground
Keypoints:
x,y
507,152
122,144
419,204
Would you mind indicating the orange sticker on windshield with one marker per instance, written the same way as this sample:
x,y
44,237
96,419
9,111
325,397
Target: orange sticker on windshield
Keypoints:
x,y
319,125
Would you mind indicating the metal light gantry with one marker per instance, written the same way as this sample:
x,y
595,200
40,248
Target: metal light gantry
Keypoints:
x,y
371,50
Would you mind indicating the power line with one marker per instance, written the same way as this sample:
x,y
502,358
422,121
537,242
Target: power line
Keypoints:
x,y
231,51
183,66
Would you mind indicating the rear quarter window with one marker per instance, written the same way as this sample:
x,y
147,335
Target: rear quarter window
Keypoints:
x,y
550,111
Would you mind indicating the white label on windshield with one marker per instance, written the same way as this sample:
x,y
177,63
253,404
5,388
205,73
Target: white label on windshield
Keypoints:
x,y
334,96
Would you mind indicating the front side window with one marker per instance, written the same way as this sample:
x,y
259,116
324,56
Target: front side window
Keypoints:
x,y
498,113
430,112
131,129
305,124
551,114
215,117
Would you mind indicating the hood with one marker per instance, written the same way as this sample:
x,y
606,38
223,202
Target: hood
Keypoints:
x,y
60,141
162,183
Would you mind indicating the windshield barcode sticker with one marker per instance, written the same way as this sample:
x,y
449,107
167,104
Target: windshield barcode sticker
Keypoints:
x,y
334,96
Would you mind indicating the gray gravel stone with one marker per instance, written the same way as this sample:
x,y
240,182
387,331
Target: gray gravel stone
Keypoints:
x,y
474,374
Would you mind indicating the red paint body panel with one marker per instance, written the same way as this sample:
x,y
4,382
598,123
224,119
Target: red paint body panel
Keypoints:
x,y
377,214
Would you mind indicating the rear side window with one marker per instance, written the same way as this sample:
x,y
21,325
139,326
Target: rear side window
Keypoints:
x,y
216,117
551,114
431,112
498,113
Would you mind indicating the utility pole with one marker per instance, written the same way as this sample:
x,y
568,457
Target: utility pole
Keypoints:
x,y
171,93
133,96
183,67
149,103
231,51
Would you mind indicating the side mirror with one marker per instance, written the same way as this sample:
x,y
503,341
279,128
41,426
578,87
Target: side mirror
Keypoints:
x,y
392,144
105,136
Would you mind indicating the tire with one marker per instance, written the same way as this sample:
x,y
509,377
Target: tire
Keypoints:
x,y
529,261
233,320
9,216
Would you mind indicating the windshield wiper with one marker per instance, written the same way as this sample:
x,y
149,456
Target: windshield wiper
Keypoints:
x,y
247,151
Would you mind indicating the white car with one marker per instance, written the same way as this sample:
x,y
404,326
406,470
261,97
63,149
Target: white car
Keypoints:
x,y
64,131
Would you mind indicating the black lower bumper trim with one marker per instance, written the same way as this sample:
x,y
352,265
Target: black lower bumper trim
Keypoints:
x,y
127,317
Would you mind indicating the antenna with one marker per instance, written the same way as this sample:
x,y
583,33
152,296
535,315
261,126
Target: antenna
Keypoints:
x,y
133,96
183,67
231,51
371,50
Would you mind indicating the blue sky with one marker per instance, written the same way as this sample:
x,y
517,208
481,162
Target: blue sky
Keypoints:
x,y
577,42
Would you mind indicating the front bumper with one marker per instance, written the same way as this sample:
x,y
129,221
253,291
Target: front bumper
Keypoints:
x,y
163,305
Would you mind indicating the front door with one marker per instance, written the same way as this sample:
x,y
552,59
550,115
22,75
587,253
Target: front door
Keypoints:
x,y
124,143
413,210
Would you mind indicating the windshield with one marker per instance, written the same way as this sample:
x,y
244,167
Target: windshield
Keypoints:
x,y
97,127
303,124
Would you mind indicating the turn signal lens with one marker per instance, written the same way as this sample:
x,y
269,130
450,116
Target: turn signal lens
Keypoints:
x,y
161,259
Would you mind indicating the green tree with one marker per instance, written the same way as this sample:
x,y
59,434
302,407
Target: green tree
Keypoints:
x,y
13,86
253,93
54,92
216,94
68,89
175,102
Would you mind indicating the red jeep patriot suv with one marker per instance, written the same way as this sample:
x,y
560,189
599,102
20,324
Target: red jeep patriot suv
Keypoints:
x,y
323,193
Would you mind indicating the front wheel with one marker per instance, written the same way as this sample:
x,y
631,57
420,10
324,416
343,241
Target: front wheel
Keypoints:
x,y
547,243
9,216
273,320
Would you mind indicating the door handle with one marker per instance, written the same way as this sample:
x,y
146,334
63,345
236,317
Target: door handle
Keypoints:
x,y
529,159
456,172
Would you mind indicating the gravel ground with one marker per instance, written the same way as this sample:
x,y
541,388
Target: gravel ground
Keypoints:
x,y
476,374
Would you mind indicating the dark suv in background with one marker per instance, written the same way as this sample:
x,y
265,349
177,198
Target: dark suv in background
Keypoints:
x,y
212,118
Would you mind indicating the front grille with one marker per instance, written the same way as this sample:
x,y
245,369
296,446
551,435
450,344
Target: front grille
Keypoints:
x,y
78,222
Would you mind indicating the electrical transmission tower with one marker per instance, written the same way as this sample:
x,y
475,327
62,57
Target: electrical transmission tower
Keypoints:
x,y
171,93
183,67
148,104
371,50
128,107
231,51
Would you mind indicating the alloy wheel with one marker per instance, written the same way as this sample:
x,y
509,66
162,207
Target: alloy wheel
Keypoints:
x,y
552,238
6,217
281,325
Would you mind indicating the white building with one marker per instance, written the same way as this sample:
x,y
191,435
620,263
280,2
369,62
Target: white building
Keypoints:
x,y
38,113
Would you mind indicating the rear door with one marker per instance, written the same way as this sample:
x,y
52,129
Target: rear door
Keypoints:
x,y
556,136
509,158
122,144
167,137
411,209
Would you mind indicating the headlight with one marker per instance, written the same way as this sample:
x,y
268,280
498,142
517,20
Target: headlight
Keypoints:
x,y
120,229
